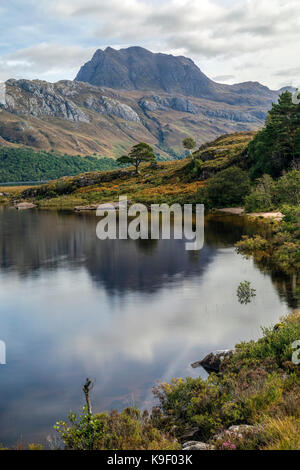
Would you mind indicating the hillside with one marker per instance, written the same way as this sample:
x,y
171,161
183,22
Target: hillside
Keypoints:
x,y
173,181
123,97
22,164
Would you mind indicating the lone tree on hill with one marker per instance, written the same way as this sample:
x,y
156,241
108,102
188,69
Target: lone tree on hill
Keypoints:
x,y
189,144
139,153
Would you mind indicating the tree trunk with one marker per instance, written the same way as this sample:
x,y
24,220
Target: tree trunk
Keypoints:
x,y
86,390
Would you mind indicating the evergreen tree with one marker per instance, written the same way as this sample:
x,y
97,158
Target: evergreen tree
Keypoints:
x,y
277,146
139,153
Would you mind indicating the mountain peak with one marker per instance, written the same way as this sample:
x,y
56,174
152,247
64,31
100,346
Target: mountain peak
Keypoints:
x,y
136,68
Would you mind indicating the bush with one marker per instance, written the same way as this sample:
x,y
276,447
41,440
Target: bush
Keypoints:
x,y
269,194
128,430
261,197
275,344
253,384
287,189
228,188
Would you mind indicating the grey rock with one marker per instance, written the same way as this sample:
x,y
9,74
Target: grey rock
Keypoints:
x,y
25,205
111,107
196,445
237,432
38,98
213,361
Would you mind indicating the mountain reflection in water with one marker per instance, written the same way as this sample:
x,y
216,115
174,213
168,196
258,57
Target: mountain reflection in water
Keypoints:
x,y
126,313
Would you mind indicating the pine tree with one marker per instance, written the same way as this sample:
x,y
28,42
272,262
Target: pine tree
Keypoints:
x,y
276,147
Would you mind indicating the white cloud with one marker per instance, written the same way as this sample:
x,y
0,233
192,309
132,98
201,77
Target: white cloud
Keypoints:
x,y
222,36
45,61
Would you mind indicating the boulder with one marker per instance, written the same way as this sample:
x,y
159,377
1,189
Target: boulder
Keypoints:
x,y
25,205
196,445
212,362
236,433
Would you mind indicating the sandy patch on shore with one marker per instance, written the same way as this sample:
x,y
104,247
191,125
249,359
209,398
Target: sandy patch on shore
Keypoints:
x,y
268,215
240,211
232,210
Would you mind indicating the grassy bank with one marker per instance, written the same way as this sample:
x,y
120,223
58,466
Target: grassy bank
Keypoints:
x,y
167,183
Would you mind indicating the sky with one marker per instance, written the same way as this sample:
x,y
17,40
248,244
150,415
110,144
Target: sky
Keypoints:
x,y
232,41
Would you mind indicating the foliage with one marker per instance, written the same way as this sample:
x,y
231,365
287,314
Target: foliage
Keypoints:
x,y
225,151
167,183
23,164
275,344
269,194
245,292
139,153
257,381
277,146
287,188
126,430
282,249
262,195
228,188
282,433
189,143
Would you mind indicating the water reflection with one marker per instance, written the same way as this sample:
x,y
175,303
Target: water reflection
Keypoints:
x,y
124,313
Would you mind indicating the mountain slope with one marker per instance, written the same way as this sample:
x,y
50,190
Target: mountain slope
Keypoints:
x,y
79,118
123,97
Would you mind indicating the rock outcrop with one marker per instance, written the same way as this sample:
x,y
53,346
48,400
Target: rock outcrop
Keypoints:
x,y
25,206
236,433
111,107
38,98
196,445
213,361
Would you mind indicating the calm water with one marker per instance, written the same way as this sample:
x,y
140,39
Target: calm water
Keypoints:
x,y
124,313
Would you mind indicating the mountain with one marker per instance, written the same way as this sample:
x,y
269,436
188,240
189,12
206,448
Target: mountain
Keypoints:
x,y
136,68
123,97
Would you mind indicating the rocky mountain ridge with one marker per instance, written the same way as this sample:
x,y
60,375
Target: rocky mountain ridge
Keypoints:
x,y
135,96
136,68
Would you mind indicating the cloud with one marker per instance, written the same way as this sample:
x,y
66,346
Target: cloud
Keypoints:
x,y
288,73
223,78
47,61
205,28
219,35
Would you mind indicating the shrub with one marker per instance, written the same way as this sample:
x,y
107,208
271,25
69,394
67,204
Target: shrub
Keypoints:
x,y
128,430
228,188
287,188
262,196
253,384
276,342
